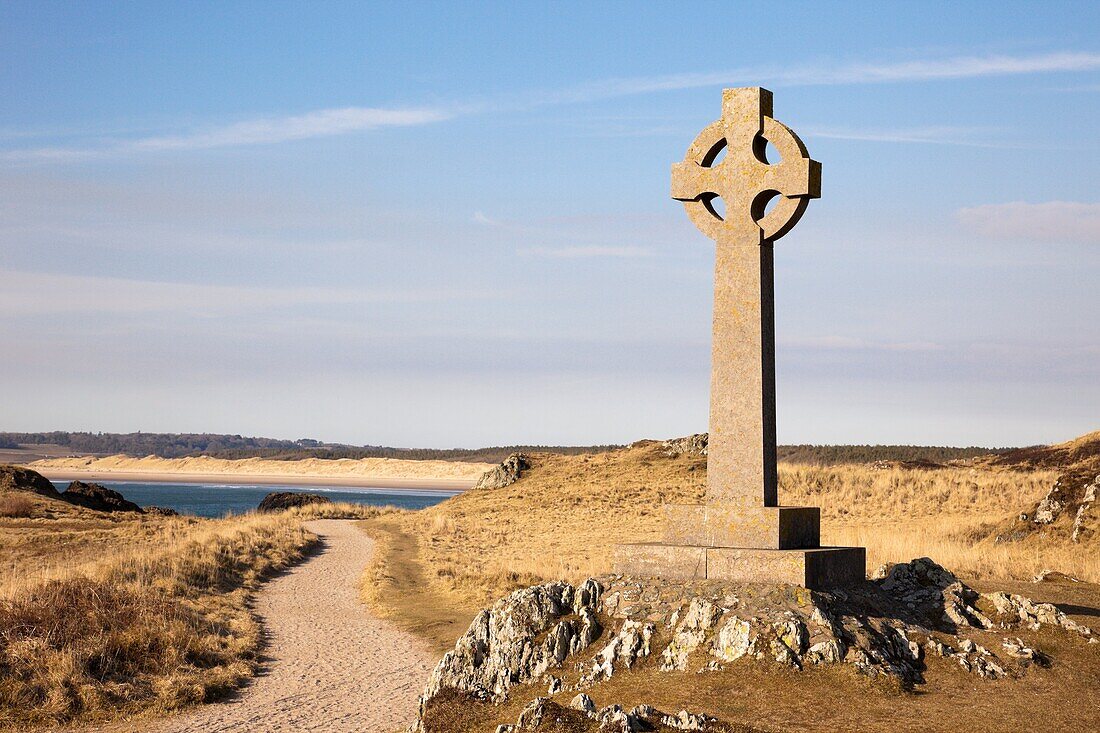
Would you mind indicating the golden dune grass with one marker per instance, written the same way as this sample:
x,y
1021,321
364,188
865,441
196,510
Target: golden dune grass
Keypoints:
x,y
563,518
155,619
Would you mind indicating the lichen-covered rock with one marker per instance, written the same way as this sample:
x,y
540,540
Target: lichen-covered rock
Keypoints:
x,y
502,647
506,474
883,627
629,645
692,445
583,703
691,632
735,639
1017,609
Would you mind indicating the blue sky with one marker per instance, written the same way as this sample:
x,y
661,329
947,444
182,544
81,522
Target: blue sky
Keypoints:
x,y
436,225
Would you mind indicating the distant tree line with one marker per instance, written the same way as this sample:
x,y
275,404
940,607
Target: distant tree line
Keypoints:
x,y
179,445
165,445
494,454
830,455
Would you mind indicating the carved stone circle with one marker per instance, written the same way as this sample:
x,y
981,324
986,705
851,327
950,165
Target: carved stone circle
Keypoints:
x,y
744,179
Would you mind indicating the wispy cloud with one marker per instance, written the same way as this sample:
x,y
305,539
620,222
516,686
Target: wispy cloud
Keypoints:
x,y
937,135
260,131
339,121
586,252
479,217
32,293
1052,221
957,67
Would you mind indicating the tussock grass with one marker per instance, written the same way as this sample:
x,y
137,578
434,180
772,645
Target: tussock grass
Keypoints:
x,y
160,623
339,510
14,506
561,520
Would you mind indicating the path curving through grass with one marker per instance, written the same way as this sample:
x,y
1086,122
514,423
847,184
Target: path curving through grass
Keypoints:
x,y
330,665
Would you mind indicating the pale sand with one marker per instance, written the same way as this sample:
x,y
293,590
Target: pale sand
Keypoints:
x,y
332,666
376,472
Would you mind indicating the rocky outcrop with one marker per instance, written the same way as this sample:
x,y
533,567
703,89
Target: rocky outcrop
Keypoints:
x,y
886,627
692,445
161,511
15,478
1072,497
545,714
518,640
279,500
506,474
98,498
1084,509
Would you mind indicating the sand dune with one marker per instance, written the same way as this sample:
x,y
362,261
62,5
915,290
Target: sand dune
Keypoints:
x,y
340,472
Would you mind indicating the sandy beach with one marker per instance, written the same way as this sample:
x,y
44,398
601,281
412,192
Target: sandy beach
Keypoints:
x,y
362,473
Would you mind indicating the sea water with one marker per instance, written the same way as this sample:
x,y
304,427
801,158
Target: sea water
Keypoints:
x,y
216,500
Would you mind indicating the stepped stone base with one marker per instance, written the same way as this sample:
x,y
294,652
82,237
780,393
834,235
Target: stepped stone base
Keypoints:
x,y
815,568
720,525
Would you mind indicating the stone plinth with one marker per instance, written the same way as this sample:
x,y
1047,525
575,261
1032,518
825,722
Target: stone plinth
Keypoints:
x,y
718,525
815,568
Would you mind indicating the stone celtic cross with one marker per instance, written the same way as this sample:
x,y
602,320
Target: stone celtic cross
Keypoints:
x,y
741,460
741,533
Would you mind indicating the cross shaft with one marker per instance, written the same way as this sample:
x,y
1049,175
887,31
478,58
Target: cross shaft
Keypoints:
x,y
741,463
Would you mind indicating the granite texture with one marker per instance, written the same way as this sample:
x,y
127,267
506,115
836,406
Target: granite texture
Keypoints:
x,y
741,460
720,525
815,568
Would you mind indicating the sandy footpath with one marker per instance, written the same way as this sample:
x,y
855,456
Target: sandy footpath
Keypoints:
x,y
374,472
332,666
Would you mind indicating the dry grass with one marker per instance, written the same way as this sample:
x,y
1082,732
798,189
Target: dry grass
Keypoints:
x,y
562,519
158,622
338,510
14,506
947,514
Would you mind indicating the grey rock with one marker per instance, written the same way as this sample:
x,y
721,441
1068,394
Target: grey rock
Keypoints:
x,y
825,652
692,445
1084,509
629,645
507,473
735,639
691,633
500,649
532,715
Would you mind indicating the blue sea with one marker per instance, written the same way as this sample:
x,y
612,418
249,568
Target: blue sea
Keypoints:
x,y
216,500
